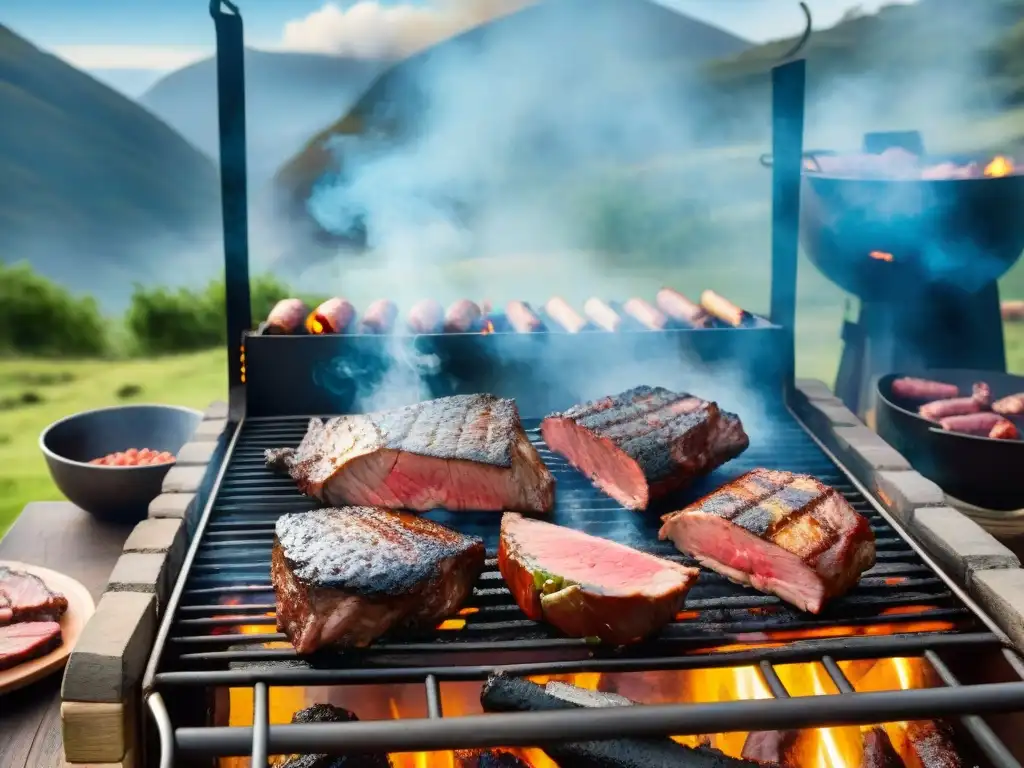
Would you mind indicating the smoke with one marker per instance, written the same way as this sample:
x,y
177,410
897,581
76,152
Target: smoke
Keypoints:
x,y
373,30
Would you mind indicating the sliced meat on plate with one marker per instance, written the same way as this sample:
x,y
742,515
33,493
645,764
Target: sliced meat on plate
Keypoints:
x,y
26,641
467,452
645,442
785,534
344,577
587,586
25,597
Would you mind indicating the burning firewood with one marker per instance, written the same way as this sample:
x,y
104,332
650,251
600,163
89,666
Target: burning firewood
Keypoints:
x,y
776,747
326,713
562,313
488,758
723,309
522,318
379,316
602,315
650,317
928,744
333,316
286,317
681,309
793,749
463,316
502,693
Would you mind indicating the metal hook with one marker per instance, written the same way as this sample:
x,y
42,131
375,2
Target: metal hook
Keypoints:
x,y
808,29
215,8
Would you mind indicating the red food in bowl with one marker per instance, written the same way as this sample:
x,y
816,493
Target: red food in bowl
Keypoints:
x,y
134,457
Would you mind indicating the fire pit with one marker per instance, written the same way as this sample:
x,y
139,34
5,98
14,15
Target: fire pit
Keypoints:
x,y
736,670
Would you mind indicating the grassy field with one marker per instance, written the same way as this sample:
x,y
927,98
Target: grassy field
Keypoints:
x,y
63,387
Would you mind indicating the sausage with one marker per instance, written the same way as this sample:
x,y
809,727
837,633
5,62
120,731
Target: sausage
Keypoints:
x,y
1004,430
1011,405
981,393
426,316
287,316
723,309
522,318
462,317
648,316
979,424
937,410
1012,310
923,389
379,316
333,316
602,315
680,308
562,313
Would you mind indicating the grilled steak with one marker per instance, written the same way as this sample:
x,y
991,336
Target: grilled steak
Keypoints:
x,y
467,452
24,597
586,586
502,693
325,713
26,641
346,576
645,442
785,534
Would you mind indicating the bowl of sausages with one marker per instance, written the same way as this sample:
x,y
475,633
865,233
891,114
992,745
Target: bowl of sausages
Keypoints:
x,y
962,429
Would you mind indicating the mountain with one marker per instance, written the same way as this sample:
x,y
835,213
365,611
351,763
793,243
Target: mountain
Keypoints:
x,y
96,192
557,79
288,97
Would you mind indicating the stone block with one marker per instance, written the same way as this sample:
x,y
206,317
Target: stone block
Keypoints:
x,y
1001,593
960,545
160,535
904,492
209,430
196,453
184,479
147,573
175,505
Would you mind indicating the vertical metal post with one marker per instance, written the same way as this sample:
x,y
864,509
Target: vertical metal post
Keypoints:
x,y
787,168
233,192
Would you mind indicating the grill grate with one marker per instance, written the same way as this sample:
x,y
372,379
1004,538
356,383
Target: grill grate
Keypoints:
x,y
229,584
900,608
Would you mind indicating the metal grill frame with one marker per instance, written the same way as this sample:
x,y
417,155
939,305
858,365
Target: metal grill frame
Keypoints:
x,y
436,732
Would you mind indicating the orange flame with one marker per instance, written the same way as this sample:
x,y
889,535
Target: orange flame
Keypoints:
x,y
881,256
488,328
314,324
1000,166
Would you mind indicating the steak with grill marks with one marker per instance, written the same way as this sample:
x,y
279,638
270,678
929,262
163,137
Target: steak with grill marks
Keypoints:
x,y
467,452
25,597
785,534
587,586
646,442
26,641
344,577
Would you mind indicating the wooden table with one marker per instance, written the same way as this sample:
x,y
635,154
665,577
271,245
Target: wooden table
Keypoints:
x,y
60,536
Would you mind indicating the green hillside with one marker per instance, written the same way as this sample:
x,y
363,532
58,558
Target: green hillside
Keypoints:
x,y
97,192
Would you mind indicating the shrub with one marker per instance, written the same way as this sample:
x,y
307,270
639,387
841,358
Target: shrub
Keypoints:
x,y
162,321
39,317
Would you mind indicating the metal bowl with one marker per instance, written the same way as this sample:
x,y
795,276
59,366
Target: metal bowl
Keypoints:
x,y
954,232
117,494
977,470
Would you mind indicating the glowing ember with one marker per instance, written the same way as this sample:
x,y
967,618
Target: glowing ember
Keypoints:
x,y
881,256
488,328
836,747
313,325
1000,166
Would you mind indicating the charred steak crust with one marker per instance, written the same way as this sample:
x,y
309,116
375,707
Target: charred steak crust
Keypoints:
x,y
326,713
346,576
645,442
416,457
782,533
586,586
25,597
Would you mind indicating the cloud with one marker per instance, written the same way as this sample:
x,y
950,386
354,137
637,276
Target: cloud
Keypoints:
x,y
161,58
370,29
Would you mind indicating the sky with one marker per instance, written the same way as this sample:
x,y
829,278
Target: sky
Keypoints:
x,y
132,43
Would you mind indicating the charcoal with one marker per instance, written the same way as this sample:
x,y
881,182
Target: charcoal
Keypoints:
x,y
502,693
